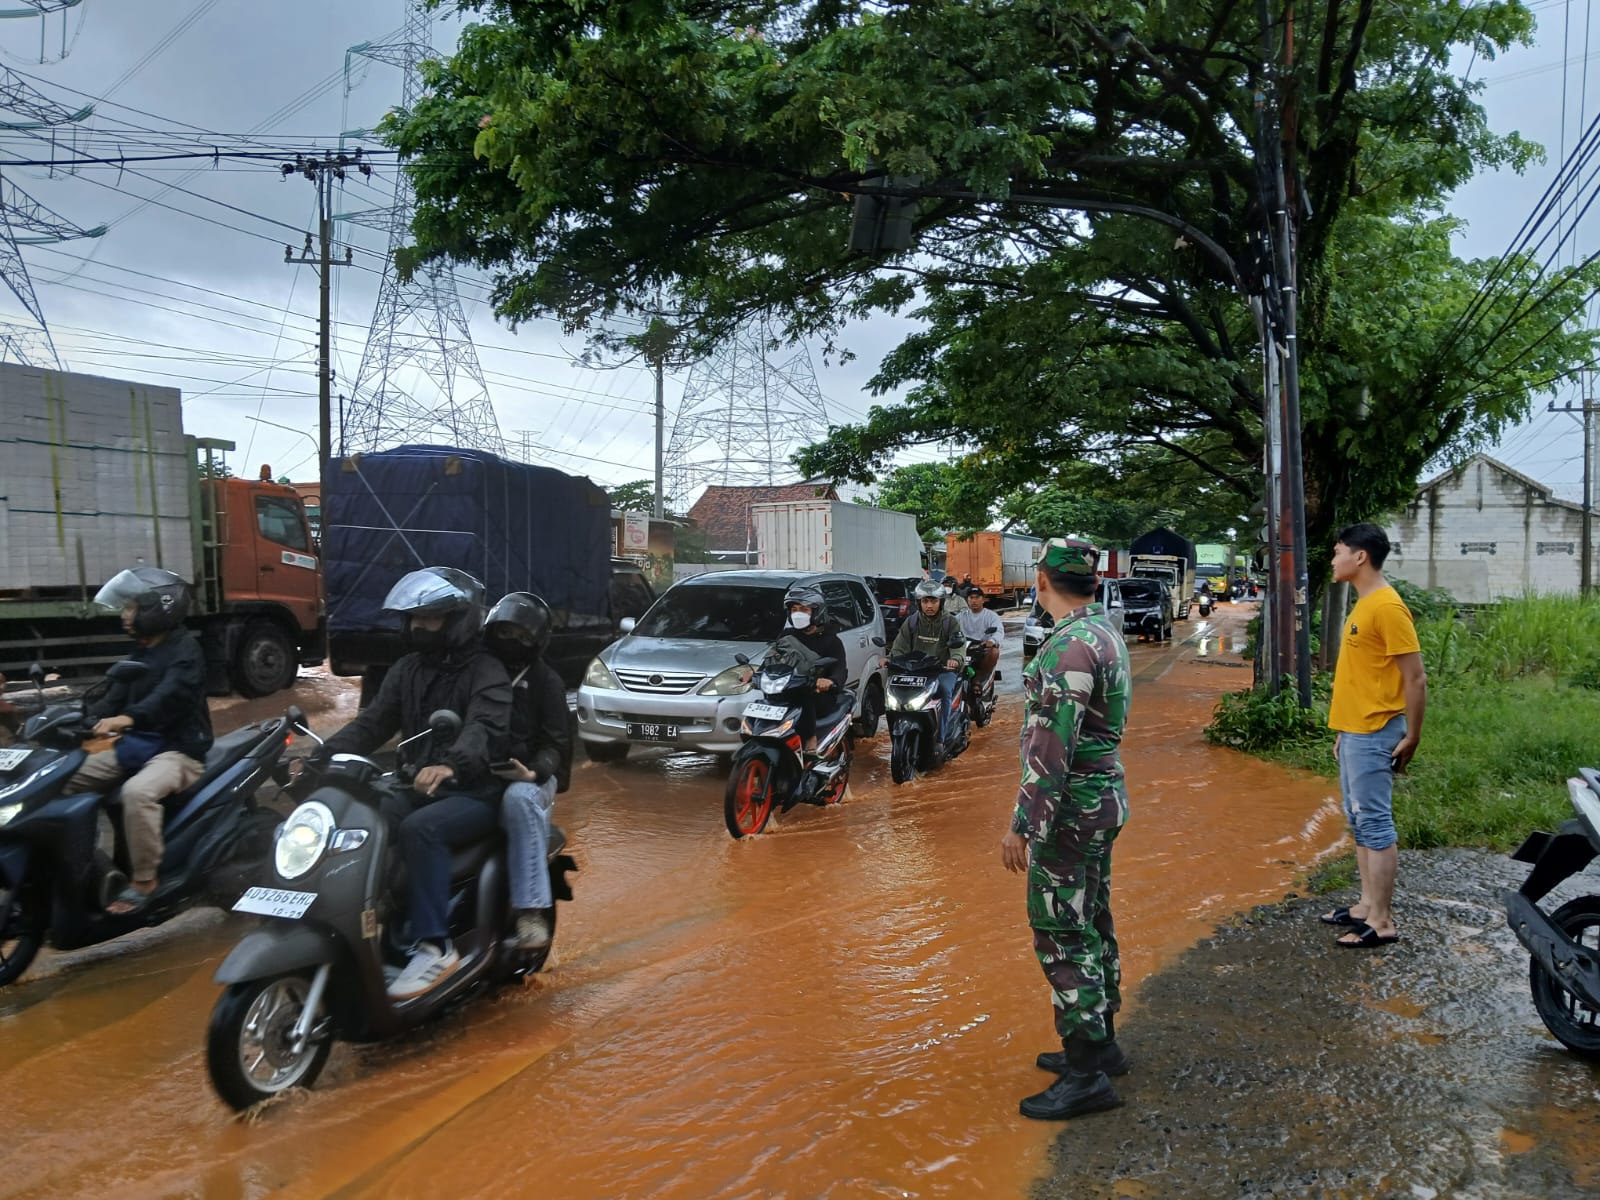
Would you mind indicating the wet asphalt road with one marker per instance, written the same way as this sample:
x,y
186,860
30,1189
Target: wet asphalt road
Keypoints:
x,y
846,1006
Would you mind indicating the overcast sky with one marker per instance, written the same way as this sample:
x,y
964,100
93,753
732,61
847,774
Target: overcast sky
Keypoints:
x,y
188,286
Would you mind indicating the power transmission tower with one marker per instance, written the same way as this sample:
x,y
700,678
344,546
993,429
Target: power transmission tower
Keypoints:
x,y
26,222
419,379
743,414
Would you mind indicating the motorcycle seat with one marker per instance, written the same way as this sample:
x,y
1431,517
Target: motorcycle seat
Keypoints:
x,y
469,860
836,707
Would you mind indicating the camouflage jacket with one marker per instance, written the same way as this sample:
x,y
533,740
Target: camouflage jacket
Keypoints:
x,y
1078,688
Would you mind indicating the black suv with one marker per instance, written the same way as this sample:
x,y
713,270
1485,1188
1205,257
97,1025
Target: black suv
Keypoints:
x,y
1147,608
895,602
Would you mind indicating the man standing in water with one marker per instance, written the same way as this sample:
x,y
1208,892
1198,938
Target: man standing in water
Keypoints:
x,y
1071,806
1380,693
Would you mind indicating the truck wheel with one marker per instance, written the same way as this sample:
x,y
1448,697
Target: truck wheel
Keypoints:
x,y
264,662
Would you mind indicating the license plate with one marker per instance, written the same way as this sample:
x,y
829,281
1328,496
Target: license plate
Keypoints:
x,y
275,902
652,732
915,681
766,712
14,757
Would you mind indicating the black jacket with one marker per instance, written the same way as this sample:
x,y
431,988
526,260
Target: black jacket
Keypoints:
x,y
540,738
169,698
826,644
473,684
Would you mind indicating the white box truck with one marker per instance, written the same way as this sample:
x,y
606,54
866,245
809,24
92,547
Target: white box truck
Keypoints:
x,y
835,535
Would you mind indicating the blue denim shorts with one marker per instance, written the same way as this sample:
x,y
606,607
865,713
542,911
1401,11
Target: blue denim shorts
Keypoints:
x,y
1366,781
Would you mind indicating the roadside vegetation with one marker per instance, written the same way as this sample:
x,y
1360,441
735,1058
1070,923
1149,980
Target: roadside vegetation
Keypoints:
x,y
1513,710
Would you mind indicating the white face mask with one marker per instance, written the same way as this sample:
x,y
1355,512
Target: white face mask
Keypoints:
x,y
800,619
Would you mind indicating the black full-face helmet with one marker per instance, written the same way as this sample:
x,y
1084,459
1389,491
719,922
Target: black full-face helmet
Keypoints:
x,y
517,629
438,591
160,598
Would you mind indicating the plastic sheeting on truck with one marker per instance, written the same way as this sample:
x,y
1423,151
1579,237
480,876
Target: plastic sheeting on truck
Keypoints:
x,y
514,526
1163,541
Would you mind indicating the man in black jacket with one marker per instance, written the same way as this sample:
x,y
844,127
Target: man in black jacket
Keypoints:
x,y
806,624
160,719
516,631
441,609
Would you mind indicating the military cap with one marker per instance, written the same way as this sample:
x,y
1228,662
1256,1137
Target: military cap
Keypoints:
x,y
1070,556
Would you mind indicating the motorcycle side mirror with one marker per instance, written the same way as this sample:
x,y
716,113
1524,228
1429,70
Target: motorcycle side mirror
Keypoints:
x,y
36,673
741,660
444,724
126,670
879,642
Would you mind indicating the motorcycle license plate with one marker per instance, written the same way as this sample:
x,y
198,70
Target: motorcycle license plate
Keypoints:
x,y
766,712
915,681
274,902
649,731
14,757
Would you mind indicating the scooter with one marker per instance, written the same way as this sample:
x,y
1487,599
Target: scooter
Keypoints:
x,y
1564,945
980,696
770,769
63,857
1204,599
915,711
319,967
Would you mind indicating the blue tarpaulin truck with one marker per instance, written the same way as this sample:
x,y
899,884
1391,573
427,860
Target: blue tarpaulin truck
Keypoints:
x,y
515,526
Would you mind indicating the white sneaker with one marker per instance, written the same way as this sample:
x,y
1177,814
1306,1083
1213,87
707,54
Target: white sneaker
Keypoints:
x,y
533,931
428,968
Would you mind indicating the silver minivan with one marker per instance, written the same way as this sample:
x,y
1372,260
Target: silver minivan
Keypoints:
x,y
1039,623
672,679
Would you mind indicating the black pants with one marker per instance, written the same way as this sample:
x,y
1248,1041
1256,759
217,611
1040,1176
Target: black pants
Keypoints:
x,y
427,837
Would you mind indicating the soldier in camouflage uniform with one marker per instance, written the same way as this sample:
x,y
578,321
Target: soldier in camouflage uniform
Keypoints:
x,y
1070,808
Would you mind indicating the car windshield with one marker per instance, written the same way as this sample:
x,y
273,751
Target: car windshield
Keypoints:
x,y
1146,591
712,613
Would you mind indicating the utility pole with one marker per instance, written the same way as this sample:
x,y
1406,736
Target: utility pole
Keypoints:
x,y
660,509
322,172
1586,407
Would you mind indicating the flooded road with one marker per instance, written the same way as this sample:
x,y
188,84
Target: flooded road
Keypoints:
x,y
845,1006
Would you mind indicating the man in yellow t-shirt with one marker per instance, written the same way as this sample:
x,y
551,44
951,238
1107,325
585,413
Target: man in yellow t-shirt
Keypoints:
x,y
1380,693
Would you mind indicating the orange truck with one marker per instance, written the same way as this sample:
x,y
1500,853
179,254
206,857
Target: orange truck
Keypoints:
x,y
1002,564
97,475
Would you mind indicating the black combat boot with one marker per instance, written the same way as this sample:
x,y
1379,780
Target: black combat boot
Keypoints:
x,y
1072,1095
1083,1055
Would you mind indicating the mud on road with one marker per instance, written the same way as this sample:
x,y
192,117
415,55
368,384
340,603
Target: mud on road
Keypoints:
x,y
1268,1063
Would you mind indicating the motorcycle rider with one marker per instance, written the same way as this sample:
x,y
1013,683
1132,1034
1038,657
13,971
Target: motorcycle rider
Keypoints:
x,y
516,631
980,625
160,719
457,798
932,631
806,624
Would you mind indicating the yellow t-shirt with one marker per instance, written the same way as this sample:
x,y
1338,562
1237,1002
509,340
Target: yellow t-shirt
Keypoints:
x,y
1367,688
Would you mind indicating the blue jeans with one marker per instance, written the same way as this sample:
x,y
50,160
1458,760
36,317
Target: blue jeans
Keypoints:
x,y
1366,781
525,816
948,682
427,836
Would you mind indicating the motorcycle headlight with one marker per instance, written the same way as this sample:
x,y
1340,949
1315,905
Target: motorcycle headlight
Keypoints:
x,y
920,701
302,839
735,681
891,702
599,676
9,812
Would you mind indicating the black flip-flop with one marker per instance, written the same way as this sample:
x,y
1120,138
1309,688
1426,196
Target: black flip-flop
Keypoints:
x,y
136,901
1367,938
1340,916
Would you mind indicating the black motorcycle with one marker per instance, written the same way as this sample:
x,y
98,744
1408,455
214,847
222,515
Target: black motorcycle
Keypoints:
x,y
1203,598
770,769
63,857
915,710
980,696
319,967
1564,945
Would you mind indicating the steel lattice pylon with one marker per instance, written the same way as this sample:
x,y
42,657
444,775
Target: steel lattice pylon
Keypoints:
x,y
744,412
419,333
26,222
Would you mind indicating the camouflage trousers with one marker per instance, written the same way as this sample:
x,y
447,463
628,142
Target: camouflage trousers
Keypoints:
x,y
1069,909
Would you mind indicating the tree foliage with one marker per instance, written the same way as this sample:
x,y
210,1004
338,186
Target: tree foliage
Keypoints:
x,y
590,152
638,496
939,495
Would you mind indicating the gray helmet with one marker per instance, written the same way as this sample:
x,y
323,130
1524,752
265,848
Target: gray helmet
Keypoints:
x,y
928,589
808,594
160,597
438,591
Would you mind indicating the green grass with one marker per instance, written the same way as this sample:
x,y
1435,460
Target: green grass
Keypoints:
x,y
1512,712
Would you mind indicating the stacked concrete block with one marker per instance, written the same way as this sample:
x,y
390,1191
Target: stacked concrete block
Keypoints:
x,y
94,477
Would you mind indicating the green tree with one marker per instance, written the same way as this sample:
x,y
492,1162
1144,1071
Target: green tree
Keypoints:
x,y
638,496
588,152
940,495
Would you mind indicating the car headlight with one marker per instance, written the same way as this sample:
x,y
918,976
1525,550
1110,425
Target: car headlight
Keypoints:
x,y
9,812
599,676
302,839
735,681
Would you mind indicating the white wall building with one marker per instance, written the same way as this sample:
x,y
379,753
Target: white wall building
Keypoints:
x,y
1482,531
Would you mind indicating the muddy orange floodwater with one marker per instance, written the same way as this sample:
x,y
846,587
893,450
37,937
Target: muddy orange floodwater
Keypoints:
x,y
845,1006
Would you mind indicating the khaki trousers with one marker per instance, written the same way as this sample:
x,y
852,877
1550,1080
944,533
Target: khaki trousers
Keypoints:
x,y
142,793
